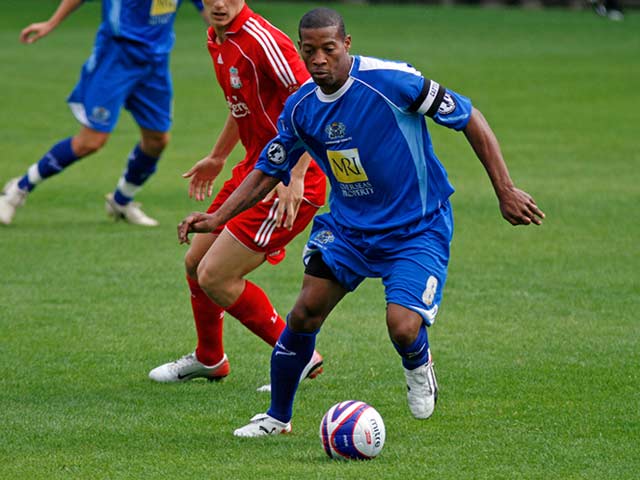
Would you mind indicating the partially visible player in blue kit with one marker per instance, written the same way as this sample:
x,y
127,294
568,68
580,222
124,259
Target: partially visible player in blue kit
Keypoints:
x,y
362,120
129,67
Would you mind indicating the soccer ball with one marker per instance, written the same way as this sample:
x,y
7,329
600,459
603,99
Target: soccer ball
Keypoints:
x,y
352,430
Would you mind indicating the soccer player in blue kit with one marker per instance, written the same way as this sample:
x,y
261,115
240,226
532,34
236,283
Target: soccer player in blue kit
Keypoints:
x,y
129,67
362,120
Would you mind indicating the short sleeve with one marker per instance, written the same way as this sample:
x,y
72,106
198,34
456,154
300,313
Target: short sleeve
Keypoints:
x,y
282,153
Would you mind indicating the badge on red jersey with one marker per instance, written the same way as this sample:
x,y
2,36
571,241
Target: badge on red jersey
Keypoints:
x,y
235,78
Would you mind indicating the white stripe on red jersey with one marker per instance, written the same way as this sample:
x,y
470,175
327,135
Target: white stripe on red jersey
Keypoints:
x,y
272,51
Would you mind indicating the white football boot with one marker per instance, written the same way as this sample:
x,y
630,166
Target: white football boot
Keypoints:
x,y
311,371
422,389
262,425
11,199
131,212
187,368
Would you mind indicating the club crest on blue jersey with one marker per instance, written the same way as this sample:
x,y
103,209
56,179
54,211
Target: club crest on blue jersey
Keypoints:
x,y
323,237
235,78
447,105
335,130
100,115
276,153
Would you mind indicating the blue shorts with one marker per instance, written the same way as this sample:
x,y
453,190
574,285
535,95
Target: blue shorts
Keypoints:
x,y
411,260
118,73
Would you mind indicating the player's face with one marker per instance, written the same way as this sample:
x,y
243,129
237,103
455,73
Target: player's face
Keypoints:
x,y
221,13
326,54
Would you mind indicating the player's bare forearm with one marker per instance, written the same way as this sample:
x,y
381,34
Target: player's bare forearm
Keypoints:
x,y
253,188
300,170
227,140
516,205
485,145
292,195
203,173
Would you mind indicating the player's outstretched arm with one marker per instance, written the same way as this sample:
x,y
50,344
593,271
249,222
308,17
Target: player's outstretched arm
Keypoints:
x,y
36,31
517,206
252,189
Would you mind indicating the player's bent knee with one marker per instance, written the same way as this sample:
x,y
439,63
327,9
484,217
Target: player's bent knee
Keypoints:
x,y
191,263
155,143
304,320
404,331
404,336
86,145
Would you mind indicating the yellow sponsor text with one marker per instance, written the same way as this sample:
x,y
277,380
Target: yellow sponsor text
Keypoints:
x,y
162,7
346,165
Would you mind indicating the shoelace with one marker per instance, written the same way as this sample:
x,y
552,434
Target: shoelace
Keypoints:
x,y
183,362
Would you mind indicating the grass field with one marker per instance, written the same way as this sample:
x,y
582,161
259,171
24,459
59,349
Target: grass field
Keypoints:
x,y
537,345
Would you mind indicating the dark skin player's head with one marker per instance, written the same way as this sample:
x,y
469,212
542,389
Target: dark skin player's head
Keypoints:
x,y
324,47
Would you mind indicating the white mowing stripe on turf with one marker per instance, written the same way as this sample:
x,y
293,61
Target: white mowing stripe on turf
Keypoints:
x,y
268,226
272,51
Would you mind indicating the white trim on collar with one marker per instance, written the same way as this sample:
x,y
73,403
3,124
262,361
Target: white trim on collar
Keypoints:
x,y
332,97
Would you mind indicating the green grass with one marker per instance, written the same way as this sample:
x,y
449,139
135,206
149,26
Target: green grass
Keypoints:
x,y
537,343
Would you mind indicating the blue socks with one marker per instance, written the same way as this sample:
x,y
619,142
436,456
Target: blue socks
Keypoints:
x,y
417,353
54,161
139,168
289,357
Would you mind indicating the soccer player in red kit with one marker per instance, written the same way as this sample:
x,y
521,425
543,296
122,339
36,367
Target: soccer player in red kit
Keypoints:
x,y
257,67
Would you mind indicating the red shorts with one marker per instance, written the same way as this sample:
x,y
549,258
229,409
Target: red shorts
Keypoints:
x,y
255,228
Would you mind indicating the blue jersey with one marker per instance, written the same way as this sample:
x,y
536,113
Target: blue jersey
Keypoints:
x,y
371,140
148,22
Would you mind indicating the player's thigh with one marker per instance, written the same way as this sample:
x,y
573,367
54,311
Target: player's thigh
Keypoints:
x,y
150,102
416,282
200,244
227,259
105,82
256,229
339,253
317,298
415,273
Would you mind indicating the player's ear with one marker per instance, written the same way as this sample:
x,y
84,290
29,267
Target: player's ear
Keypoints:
x,y
347,42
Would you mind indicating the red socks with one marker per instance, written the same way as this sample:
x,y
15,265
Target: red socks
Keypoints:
x,y
253,309
208,318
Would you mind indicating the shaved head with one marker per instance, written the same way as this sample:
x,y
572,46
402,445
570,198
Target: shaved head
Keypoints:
x,y
321,18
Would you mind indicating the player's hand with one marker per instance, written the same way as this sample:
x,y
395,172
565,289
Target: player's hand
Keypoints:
x,y
196,222
202,175
519,208
35,32
289,200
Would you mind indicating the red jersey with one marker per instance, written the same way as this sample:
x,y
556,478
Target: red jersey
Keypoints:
x,y
258,67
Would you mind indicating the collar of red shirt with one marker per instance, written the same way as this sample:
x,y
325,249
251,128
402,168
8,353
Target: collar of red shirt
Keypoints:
x,y
240,20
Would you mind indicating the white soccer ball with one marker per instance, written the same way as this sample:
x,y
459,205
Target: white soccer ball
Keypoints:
x,y
352,430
